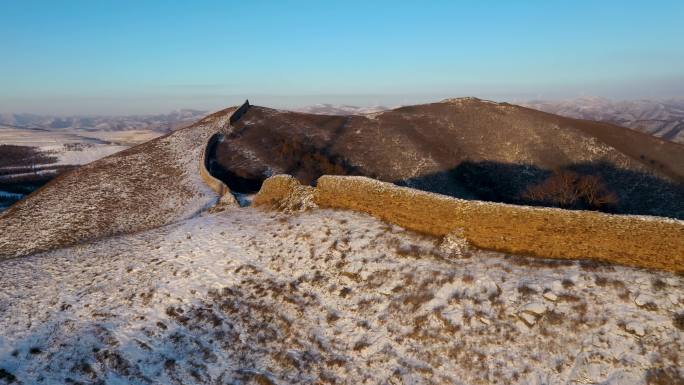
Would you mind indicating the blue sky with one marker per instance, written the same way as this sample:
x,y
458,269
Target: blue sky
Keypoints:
x,y
119,57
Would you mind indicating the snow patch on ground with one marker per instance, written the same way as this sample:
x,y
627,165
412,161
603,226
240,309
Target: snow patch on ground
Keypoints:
x,y
246,296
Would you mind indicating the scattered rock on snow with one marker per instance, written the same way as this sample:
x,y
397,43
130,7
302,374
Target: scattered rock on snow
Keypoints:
x,y
550,296
556,286
528,318
531,312
342,246
642,299
636,328
455,244
536,308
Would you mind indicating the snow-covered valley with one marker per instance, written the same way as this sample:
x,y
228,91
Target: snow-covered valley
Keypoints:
x,y
252,296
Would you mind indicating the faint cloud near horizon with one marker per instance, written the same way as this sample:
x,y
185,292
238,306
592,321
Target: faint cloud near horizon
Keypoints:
x,y
200,86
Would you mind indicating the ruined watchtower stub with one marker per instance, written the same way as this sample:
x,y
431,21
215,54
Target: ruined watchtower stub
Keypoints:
x,y
239,112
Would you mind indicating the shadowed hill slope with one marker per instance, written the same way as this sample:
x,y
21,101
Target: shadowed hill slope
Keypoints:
x,y
143,187
466,147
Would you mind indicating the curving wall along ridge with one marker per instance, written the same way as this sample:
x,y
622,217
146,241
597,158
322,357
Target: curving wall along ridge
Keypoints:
x,y
648,242
214,183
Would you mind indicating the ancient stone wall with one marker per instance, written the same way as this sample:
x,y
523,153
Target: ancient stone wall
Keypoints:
x,y
649,242
207,153
215,184
237,114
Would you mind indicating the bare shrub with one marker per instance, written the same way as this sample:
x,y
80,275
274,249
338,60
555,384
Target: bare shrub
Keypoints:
x,y
658,284
559,189
595,192
567,188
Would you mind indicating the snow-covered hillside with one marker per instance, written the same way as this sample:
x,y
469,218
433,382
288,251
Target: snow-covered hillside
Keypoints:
x,y
140,188
55,152
250,296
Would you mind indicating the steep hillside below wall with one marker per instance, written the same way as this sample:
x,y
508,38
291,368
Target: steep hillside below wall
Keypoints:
x,y
551,233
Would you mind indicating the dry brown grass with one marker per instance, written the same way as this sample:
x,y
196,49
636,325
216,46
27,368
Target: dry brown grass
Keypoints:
x,y
678,321
664,376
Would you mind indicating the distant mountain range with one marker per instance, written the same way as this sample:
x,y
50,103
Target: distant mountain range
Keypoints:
x,y
661,118
339,109
160,122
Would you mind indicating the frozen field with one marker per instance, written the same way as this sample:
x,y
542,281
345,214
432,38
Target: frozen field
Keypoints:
x,y
249,296
75,147
60,149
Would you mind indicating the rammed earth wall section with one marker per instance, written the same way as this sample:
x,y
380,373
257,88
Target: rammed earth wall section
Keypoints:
x,y
648,242
214,183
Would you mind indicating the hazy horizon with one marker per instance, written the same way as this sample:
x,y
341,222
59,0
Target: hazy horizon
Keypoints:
x,y
291,102
127,58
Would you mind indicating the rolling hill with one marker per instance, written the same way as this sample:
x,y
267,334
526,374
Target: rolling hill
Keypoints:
x,y
466,147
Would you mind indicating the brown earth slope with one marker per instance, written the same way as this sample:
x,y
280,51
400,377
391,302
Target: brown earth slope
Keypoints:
x,y
143,187
466,147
